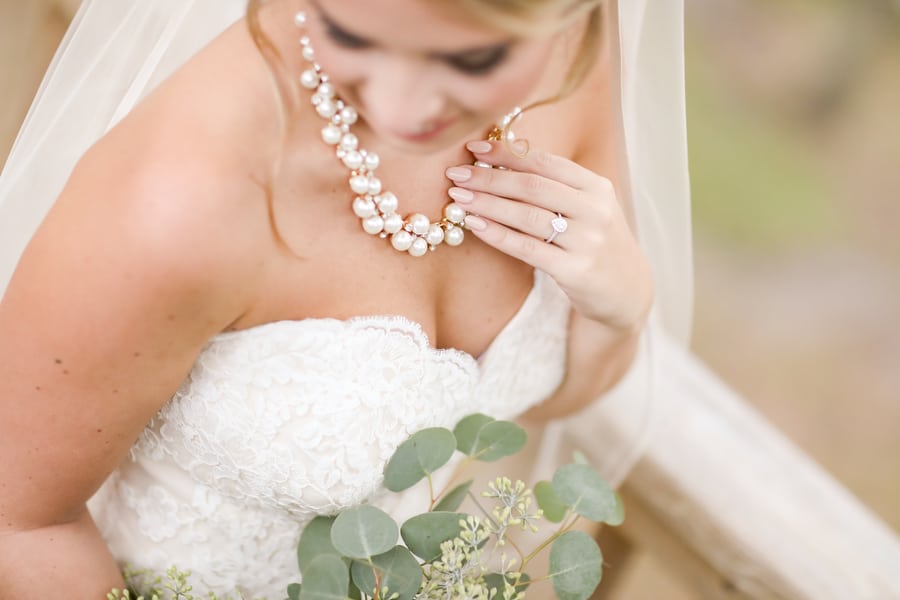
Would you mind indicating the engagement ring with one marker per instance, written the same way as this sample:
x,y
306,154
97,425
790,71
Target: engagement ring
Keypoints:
x,y
559,225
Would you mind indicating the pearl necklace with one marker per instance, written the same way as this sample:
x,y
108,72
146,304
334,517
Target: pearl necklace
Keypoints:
x,y
376,208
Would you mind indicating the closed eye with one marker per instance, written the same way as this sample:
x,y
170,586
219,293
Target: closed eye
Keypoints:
x,y
344,38
478,62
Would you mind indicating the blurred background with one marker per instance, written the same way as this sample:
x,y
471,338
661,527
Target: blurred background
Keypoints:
x,y
794,140
794,136
794,132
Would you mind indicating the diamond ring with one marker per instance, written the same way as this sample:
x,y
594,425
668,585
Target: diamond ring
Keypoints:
x,y
559,225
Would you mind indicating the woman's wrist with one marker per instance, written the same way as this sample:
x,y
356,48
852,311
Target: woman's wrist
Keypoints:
x,y
630,315
599,355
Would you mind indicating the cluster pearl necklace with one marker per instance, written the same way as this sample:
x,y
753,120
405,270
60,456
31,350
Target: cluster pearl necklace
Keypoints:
x,y
375,207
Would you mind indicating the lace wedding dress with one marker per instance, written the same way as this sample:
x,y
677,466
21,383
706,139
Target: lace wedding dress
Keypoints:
x,y
285,421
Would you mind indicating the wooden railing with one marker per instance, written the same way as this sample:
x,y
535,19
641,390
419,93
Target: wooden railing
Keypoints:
x,y
735,510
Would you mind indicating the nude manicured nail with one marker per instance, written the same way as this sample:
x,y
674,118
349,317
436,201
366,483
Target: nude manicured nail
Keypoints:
x,y
476,223
459,173
479,147
461,195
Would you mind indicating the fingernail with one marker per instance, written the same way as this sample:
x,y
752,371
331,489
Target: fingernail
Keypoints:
x,y
479,147
475,223
461,195
459,173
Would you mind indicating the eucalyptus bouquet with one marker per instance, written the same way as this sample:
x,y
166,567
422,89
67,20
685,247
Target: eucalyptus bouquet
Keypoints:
x,y
453,555
448,554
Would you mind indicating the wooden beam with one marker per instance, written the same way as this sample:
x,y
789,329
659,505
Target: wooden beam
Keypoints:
x,y
720,482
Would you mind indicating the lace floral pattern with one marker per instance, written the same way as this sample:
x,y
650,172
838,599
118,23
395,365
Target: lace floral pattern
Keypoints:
x,y
285,421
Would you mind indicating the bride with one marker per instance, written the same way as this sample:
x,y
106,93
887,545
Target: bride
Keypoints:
x,y
249,290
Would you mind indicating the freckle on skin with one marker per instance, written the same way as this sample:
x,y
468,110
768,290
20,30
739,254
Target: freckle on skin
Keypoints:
x,y
65,371
58,361
37,387
137,354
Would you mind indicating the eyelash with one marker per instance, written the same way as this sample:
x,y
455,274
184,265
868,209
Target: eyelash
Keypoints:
x,y
342,38
470,67
481,66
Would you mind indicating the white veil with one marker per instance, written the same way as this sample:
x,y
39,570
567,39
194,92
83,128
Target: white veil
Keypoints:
x,y
116,51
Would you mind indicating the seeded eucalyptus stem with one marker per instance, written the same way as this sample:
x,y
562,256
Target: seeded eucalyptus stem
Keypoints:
x,y
490,518
466,462
563,528
518,551
377,575
431,497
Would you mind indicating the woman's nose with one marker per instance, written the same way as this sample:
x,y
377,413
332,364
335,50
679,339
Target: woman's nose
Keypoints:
x,y
402,97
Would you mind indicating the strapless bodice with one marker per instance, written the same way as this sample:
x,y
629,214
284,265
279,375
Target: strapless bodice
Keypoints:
x,y
285,421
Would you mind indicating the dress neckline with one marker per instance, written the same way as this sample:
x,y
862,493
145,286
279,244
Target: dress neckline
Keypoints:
x,y
409,325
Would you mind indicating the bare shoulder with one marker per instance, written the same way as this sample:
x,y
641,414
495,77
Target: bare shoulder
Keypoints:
x,y
185,174
152,248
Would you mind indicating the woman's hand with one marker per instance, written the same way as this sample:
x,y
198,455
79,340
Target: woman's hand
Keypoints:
x,y
596,260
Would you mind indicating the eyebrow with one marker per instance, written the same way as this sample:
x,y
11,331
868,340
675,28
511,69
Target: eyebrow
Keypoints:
x,y
457,55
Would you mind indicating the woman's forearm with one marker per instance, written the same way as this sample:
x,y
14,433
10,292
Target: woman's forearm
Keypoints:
x,y
68,560
598,356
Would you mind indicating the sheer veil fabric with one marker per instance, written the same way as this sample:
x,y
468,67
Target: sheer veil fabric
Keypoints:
x,y
116,51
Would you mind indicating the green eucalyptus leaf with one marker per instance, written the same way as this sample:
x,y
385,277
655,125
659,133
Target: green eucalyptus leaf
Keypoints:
x,y
422,454
494,581
363,531
466,432
499,439
586,493
315,541
327,578
293,591
576,566
618,515
579,458
424,534
354,593
454,498
398,570
487,439
554,508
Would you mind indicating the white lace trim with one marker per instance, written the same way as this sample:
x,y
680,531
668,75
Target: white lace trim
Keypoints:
x,y
285,421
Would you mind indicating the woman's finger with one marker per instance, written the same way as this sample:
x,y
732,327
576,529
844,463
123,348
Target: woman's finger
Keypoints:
x,y
527,187
536,161
529,249
524,217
